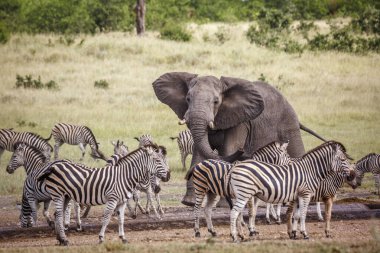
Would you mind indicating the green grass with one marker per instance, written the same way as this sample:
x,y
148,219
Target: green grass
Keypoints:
x,y
335,94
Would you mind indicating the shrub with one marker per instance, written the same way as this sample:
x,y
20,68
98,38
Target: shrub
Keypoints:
x,y
101,84
368,21
4,34
175,32
293,47
222,34
28,82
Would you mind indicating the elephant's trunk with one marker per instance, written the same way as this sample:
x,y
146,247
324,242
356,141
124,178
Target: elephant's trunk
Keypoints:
x,y
198,128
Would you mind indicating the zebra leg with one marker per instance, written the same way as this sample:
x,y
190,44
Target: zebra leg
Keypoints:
x,y
377,184
278,213
136,198
131,211
328,207
304,204
59,228
67,215
199,196
33,206
267,217
211,200
252,211
158,200
83,149
108,211
46,213
120,209
56,149
77,216
1,152
319,212
86,211
183,160
150,203
289,213
296,219
236,210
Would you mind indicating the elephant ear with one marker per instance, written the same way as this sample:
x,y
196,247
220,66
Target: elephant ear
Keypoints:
x,y
171,89
241,102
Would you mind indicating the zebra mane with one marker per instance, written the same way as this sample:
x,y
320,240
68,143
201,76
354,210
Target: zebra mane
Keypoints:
x,y
366,157
329,143
155,146
34,149
92,135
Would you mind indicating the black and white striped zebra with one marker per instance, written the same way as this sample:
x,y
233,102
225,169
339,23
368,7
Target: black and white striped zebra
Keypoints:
x,y
210,178
8,139
75,135
111,185
119,148
369,163
144,140
287,183
185,144
34,162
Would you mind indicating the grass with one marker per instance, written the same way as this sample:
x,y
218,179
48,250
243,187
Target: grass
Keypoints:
x,y
335,94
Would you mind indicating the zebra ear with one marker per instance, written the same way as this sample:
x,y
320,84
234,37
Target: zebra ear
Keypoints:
x,y
137,139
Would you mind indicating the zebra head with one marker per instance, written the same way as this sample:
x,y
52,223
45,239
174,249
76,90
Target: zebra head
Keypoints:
x,y
18,157
159,166
119,148
351,179
145,139
340,163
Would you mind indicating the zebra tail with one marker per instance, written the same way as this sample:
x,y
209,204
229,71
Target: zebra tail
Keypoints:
x,y
48,139
189,174
173,138
308,130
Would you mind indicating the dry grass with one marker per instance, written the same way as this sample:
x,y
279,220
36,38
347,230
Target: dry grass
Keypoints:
x,y
335,94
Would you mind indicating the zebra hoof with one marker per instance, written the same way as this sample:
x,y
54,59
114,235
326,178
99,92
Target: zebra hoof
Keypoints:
x,y
51,224
305,236
124,241
213,233
253,233
234,239
278,222
63,242
269,222
293,235
66,227
79,228
197,234
134,216
241,237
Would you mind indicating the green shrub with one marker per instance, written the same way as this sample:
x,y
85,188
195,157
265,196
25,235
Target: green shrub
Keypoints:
x,y
293,47
101,84
175,32
262,37
222,34
368,21
4,34
274,19
28,82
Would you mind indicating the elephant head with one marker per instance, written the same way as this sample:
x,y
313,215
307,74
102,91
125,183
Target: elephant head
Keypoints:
x,y
207,102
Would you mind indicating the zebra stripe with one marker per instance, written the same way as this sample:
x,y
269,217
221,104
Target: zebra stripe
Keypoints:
x,y
369,163
144,140
185,144
211,177
8,138
75,135
287,183
111,185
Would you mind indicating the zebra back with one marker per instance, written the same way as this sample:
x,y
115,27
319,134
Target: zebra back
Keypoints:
x,y
185,142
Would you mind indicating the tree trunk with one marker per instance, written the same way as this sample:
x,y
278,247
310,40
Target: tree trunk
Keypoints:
x,y
140,16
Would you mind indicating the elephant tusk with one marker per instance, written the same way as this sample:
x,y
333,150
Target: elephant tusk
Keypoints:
x,y
182,122
211,125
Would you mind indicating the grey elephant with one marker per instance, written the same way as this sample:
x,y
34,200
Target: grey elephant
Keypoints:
x,y
229,114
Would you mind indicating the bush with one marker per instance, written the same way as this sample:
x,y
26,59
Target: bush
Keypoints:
x,y
101,84
262,37
4,34
28,82
175,32
222,34
368,21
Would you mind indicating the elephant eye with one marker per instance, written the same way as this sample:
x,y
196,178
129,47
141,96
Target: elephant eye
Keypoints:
x,y
188,99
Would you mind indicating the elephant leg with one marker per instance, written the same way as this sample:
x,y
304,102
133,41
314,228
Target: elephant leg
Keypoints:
x,y
295,147
189,198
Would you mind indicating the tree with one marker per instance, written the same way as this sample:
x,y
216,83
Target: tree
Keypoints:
x,y
140,16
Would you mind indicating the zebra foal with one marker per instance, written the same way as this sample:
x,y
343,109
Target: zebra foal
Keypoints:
x,y
369,163
185,144
286,183
75,135
145,139
111,185
8,139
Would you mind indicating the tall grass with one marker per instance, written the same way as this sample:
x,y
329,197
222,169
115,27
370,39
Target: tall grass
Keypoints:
x,y
335,94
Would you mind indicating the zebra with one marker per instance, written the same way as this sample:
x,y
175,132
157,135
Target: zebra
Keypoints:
x,y
8,139
286,183
145,139
119,148
210,178
369,163
111,185
185,144
75,135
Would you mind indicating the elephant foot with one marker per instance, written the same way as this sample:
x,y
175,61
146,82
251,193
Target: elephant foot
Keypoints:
x,y
212,232
188,201
197,234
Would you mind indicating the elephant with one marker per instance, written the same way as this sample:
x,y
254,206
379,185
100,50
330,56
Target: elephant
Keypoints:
x,y
229,114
